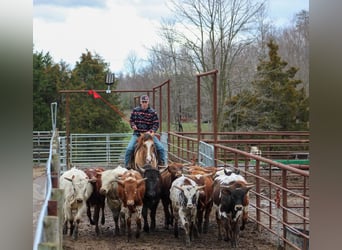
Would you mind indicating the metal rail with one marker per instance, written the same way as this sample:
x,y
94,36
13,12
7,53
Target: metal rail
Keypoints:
x,y
276,205
44,211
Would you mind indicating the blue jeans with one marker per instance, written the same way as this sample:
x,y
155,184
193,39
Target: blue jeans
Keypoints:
x,y
130,149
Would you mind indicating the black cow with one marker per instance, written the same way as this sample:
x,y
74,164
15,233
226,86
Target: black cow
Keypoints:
x,y
152,195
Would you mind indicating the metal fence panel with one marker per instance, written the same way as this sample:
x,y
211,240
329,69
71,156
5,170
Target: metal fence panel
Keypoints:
x,y
205,154
98,148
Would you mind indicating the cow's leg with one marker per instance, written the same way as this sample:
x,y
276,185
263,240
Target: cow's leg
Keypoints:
x,y
234,233
186,225
65,224
244,217
227,229
102,214
138,221
68,218
89,214
153,217
175,226
206,218
194,229
218,221
122,218
72,227
199,219
96,219
81,210
65,227
116,221
144,215
75,233
129,231
167,214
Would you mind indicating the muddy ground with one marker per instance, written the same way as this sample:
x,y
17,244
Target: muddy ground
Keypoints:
x,y
162,238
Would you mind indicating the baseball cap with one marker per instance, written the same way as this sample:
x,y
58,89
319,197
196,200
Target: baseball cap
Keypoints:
x,y
144,98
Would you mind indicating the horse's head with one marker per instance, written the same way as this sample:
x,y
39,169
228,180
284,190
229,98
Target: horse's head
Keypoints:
x,y
145,152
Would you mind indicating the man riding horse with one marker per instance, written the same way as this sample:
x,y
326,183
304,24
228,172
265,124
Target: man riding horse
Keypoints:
x,y
144,119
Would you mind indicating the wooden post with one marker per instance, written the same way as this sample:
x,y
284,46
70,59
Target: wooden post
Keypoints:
x,y
58,195
51,234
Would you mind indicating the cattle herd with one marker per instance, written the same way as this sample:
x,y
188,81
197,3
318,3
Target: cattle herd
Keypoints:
x,y
188,194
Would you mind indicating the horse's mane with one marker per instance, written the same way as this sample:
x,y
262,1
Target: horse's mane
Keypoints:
x,y
144,137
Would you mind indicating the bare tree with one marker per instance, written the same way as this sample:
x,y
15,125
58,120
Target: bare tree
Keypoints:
x,y
294,45
131,63
214,32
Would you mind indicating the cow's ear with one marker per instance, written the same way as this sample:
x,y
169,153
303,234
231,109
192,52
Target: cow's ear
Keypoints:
x,y
68,179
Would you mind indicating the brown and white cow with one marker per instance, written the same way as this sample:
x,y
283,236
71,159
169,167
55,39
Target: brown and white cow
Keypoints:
x,y
168,175
77,189
205,201
184,194
231,200
109,189
96,199
131,190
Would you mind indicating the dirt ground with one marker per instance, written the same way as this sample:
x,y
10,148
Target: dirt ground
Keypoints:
x,y
162,238
250,238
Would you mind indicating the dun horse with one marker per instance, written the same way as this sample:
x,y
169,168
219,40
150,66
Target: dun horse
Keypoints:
x,y
145,152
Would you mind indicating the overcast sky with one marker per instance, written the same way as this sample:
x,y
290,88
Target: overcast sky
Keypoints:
x,y
113,28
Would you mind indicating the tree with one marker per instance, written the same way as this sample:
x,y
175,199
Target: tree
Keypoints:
x,y
89,115
293,44
45,80
214,33
276,102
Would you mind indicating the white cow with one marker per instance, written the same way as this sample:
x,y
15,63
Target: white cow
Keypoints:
x,y
77,189
109,189
184,194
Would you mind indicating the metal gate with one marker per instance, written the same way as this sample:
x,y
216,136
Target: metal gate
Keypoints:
x,y
98,149
94,149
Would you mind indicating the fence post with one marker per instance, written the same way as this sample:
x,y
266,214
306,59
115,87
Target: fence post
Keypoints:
x,y
58,195
51,234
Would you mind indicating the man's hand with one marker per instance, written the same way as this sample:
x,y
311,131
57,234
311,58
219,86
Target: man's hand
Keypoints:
x,y
134,127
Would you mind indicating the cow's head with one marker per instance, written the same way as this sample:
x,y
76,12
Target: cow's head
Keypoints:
x,y
130,186
235,194
108,178
175,169
80,187
153,181
189,194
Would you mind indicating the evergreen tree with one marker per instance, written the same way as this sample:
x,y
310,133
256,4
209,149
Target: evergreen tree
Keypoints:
x,y
89,115
277,100
45,78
